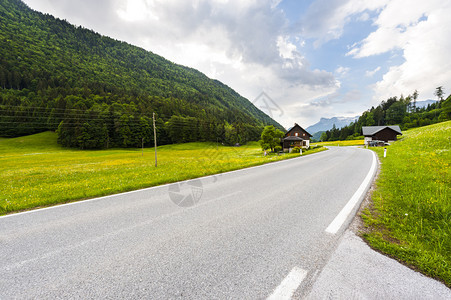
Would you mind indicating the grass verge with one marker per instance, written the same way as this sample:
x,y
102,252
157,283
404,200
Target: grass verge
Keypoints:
x,y
35,171
409,218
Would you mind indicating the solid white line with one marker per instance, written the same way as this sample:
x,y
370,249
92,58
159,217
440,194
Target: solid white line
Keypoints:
x,y
289,285
344,213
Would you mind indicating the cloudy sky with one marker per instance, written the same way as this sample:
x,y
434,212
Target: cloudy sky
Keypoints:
x,y
313,58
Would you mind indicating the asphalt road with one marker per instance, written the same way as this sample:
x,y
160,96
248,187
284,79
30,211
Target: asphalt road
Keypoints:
x,y
247,234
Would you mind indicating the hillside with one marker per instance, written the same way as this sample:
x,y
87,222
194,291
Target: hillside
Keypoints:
x,y
409,217
395,111
102,92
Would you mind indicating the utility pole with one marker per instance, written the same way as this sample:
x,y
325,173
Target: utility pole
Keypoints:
x,y
155,138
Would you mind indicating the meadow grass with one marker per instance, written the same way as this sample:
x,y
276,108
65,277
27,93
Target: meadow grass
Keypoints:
x,y
35,171
409,218
341,143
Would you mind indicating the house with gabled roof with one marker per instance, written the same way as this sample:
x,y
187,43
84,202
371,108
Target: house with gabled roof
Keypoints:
x,y
381,133
296,136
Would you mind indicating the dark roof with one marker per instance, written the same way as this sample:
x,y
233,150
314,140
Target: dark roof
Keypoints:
x,y
293,138
296,124
371,130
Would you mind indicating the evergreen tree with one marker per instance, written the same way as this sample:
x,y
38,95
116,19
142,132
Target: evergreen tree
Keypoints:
x,y
415,97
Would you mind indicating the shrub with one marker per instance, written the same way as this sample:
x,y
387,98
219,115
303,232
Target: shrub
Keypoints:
x,y
296,150
277,149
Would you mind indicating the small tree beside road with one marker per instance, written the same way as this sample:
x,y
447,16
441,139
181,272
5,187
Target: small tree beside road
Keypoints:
x,y
270,138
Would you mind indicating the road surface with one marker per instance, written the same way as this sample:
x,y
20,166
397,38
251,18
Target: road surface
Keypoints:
x,y
262,232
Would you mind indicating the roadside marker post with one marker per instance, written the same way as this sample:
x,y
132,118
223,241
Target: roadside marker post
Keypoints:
x,y
155,138
385,152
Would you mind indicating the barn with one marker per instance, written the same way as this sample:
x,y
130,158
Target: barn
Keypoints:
x,y
381,133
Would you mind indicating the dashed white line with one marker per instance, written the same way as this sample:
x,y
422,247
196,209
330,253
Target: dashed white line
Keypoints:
x,y
289,285
344,213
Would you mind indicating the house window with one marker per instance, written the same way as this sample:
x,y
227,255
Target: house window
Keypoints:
x,y
296,134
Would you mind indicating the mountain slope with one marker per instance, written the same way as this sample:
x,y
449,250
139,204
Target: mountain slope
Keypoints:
x,y
46,60
410,213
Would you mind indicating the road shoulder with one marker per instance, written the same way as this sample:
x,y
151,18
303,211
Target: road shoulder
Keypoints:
x,y
355,271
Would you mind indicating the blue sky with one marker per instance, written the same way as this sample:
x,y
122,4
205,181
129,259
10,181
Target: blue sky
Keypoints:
x,y
316,58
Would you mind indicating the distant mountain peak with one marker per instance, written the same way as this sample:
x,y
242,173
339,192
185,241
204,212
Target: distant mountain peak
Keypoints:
x,y
327,123
425,103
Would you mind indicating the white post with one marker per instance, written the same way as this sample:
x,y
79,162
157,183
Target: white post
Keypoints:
x,y
155,138
385,152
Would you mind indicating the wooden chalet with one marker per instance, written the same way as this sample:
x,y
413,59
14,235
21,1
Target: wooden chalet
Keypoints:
x,y
381,133
296,136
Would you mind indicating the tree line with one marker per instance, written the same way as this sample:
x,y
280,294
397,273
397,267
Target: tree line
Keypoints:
x,y
401,111
95,122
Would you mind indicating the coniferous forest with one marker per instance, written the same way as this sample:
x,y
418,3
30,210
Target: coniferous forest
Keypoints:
x,y
97,92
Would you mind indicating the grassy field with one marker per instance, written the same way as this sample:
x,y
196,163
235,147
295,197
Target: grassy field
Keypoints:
x,y
35,171
411,211
341,143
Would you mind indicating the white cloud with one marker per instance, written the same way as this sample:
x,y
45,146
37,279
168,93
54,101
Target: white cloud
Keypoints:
x,y
136,10
342,71
422,32
371,73
418,31
286,48
325,19
275,3
327,106
364,17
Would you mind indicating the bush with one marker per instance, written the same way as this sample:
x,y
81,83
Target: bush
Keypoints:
x,y
277,149
296,150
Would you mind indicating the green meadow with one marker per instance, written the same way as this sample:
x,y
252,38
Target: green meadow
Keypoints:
x,y
341,143
35,171
411,211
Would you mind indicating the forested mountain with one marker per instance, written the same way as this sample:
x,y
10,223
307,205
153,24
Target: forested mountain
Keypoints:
x,y
395,111
98,92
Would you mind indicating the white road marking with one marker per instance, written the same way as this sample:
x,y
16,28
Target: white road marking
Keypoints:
x,y
344,213
289,285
